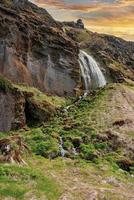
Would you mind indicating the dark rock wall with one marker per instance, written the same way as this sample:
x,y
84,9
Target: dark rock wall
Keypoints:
x,y
12,114
34,49
7,113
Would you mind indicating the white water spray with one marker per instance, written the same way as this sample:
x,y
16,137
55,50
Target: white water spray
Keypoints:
x,y
91,73
62,150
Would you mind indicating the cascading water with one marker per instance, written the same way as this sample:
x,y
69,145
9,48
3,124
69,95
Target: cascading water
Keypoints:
x,y
62,150
91,73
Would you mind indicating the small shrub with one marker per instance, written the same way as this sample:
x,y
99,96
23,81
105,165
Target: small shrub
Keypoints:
x,y
93,136
68,145
48,149
101,146
88,152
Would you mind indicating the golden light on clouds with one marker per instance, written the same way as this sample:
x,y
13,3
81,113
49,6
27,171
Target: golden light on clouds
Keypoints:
x,y
114,17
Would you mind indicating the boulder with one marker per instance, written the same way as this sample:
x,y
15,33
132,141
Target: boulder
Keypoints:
x,y
18,108
80,24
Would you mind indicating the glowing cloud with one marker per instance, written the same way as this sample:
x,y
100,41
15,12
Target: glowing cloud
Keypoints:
x,y
106,16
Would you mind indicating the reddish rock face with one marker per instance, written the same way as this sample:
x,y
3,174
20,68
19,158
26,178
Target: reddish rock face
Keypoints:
x,y
34,49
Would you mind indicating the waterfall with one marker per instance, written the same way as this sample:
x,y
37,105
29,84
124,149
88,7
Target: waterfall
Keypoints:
x,y
62,150
91,73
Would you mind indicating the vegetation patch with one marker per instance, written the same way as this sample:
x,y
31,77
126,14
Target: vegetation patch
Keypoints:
x,y
17,181
40,97
5,85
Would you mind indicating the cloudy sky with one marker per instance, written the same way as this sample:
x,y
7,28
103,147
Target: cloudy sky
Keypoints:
x,y
114,17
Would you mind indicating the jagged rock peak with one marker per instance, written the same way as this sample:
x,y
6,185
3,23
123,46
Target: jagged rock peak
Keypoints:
x,y
80,24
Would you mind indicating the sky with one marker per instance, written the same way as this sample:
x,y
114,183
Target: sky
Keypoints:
x,y
114,17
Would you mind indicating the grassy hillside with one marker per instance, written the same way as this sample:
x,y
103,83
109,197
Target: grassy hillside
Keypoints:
x,y
60,179
100,128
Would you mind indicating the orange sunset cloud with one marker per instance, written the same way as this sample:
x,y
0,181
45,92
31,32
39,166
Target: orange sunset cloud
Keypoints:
x,y
114,17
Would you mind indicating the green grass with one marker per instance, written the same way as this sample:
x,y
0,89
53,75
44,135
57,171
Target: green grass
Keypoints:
x,y
17,181
79,127
40,97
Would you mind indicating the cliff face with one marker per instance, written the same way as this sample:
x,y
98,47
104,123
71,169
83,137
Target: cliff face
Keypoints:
x,y
34,49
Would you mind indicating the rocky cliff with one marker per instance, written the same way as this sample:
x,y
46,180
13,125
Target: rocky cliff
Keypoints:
x,y
35,50
40,52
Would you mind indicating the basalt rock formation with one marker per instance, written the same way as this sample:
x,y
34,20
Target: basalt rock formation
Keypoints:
x,y
35,50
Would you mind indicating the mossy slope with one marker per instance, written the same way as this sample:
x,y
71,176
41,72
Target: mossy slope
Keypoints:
x,y
90,126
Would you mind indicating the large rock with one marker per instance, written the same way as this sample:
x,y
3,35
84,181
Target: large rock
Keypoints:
x,y
18,107
35,50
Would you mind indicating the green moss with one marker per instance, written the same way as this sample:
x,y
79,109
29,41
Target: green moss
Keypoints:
x,y
100,145
40,97
68,145
42,143
5,85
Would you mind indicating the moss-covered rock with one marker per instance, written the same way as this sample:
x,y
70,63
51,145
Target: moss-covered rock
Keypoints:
x,y
21,105
5,85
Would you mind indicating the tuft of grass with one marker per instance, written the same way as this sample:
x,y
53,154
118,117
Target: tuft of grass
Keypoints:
x,y
5,85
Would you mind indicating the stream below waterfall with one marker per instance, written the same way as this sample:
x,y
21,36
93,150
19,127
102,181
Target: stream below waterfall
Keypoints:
x,y
64,152
93,78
